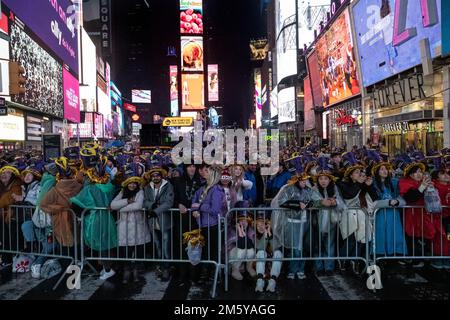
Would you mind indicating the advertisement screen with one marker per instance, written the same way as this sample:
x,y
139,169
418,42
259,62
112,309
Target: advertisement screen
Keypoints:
x,y
337,63
141,96
44,84
314,78
4,67
12,126
4,23
104,104
71,97
193,88
286,105
389,35
173,91
258,98
99,126
191,53
286,39
191,19
273,103
308,106
213,82
54,23
34,128
88,92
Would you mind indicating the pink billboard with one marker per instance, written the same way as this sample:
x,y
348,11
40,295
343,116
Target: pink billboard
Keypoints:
x,y
71,97
213,82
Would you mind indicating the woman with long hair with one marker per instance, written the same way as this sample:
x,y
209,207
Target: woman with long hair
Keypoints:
x,y
389,234
208,206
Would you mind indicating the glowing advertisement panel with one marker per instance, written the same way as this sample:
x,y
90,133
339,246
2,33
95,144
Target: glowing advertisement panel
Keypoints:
x,y
193,88
213,82
286,105
191,18
389,35
173,91
192,54
337,63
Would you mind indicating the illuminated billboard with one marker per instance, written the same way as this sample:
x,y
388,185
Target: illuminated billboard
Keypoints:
x,y
286,54
44,74
141,96
309,119
213,82
258,97
191,18
389,35
173,91
314,78
337,63
286,105
192,91
192,54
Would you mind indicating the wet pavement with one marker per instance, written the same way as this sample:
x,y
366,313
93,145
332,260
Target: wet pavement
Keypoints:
x,y
399,283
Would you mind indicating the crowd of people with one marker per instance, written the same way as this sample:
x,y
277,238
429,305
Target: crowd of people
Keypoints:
x,y
319,200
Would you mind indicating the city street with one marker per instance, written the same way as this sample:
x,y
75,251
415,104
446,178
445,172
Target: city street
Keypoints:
x,y
398,285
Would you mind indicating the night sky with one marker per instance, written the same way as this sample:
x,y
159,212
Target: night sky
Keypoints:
x,y
229,25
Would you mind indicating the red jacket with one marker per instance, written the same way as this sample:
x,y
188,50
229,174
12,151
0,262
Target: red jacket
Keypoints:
x,y
419,223
444,194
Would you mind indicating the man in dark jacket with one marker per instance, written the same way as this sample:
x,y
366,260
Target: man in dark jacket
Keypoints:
x,y
184,189
159,198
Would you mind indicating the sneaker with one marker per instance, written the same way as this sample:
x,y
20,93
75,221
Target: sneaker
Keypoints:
x,y
301,275
437,264
36,271
102,272
271,286
259,285
107,275
291,276
418,264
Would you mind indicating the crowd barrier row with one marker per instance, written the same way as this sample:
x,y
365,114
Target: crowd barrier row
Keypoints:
x,y
320,235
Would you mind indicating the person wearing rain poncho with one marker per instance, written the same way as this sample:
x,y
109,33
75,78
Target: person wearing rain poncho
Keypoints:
x,y
292,225
327,198
354,226
99,227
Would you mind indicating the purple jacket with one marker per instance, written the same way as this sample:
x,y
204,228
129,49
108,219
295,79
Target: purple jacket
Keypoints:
x,y
213,206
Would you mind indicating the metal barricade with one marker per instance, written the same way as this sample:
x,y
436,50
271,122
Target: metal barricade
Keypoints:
x,y
27,230
109,235
409,233
322,235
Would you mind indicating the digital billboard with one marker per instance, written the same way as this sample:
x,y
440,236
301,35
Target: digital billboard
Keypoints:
x,y
44,75
389,35
192,91
309,119
213,82
286,105
192,54
141,96
54,22
191,19
337,64
12,126
286,59
4,67
314,78
88,92
258,97
173,91
71,97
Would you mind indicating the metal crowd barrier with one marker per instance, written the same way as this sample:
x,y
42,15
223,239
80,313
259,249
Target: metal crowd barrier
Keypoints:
x,y
317,236
38,237
109,235
409,233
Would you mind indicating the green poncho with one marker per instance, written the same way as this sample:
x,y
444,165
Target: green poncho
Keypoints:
x,y
99,227
48,181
